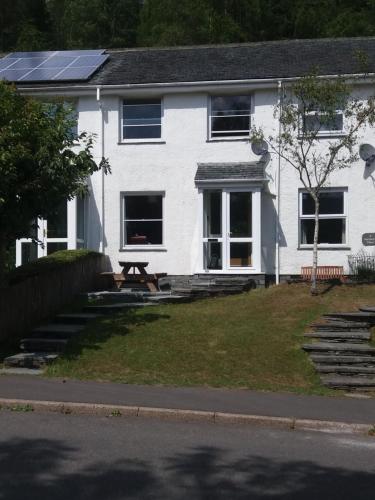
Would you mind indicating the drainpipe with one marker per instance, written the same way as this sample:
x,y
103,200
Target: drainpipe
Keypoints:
x,y
102,231
279,103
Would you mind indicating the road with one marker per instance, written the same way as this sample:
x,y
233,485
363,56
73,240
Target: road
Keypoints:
x,y
66,457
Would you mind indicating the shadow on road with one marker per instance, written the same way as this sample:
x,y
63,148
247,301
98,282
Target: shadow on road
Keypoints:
x,y
47,469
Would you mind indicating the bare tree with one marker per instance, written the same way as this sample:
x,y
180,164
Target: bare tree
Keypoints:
x,y
308,109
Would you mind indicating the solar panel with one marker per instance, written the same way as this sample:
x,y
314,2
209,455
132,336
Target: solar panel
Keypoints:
x,y
51,66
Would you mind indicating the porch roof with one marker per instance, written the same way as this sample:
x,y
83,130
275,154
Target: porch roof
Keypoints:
x,y
232,172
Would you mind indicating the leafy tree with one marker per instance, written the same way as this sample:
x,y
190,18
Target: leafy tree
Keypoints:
x,y
309,107
40,164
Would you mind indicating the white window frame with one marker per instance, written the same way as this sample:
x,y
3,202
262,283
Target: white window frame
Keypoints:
x,y
223,136
148,246
322,133
343,216
123,140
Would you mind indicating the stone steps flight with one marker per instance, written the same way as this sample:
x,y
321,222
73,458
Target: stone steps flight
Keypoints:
x,y
341,352
45,343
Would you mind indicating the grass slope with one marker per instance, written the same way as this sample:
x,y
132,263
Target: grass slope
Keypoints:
x,y
252,340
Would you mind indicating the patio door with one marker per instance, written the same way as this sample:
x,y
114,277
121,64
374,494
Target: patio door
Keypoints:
x,y
231,230
51,234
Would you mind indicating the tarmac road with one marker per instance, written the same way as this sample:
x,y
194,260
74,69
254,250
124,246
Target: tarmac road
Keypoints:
x,y
69,457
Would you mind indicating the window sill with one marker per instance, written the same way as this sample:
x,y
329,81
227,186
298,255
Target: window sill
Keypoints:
x,y
324,247
141,141
327,135
229,139
143,248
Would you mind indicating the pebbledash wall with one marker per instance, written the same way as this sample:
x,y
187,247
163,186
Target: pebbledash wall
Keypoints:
x,y
169,166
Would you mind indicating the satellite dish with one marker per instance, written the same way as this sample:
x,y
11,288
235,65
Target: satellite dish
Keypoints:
x,y
260,147
367,153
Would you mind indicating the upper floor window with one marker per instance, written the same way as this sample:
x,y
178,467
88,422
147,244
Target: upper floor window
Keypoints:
x,y
332,217
323,123
230,116
141,119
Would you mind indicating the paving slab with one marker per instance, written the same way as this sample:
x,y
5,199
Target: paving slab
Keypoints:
x,y
340,409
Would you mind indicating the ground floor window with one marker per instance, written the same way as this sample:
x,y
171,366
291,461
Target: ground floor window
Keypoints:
x,y
332,218
142,222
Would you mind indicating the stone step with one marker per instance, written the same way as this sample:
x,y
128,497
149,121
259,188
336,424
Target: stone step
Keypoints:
x,y
42,344
348,382
56,328
116,307
207,291
340,325
76,318
128,298
30,360
53,336
348,369
355,337
368,309
339,347
361,316
57,331
21,371
333,359
170,299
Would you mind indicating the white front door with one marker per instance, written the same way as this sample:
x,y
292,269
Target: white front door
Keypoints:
x,y
231,230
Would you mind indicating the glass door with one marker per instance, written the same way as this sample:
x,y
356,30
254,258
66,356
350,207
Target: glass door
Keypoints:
x,y
27,249
212,230
231,230
240,230
55,231
52,235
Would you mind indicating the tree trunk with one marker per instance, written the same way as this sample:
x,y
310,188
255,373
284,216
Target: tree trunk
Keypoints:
x,y
314,289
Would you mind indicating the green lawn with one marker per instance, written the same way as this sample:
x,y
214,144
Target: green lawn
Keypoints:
x,y
250,340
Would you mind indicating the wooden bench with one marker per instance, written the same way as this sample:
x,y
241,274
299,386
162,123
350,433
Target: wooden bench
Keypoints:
x,y
323,273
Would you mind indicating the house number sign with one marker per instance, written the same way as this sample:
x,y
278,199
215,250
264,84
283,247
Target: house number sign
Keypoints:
x,y
368,239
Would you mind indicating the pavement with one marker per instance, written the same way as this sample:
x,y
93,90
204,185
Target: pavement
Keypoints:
x,y
277,409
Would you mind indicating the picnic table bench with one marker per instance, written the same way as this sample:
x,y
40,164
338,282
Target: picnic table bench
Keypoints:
x,y
129,275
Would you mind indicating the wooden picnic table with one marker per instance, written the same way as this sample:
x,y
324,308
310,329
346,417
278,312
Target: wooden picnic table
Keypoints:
x,y
127,266
151,280
129,275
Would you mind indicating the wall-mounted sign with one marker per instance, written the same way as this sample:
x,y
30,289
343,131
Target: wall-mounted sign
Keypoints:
x,y
368,239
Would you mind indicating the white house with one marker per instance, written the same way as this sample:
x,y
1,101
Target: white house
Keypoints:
x,y
186,193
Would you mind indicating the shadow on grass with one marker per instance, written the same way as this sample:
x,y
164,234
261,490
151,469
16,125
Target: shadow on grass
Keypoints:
x,y
101,330
39,469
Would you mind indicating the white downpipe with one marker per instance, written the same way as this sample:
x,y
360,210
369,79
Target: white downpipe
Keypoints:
x,y
101,114
279,102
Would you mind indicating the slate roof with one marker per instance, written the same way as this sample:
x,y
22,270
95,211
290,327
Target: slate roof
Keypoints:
x,y
253,171
261,60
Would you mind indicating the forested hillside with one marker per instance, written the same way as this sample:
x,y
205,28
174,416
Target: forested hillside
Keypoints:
x,y
67,24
